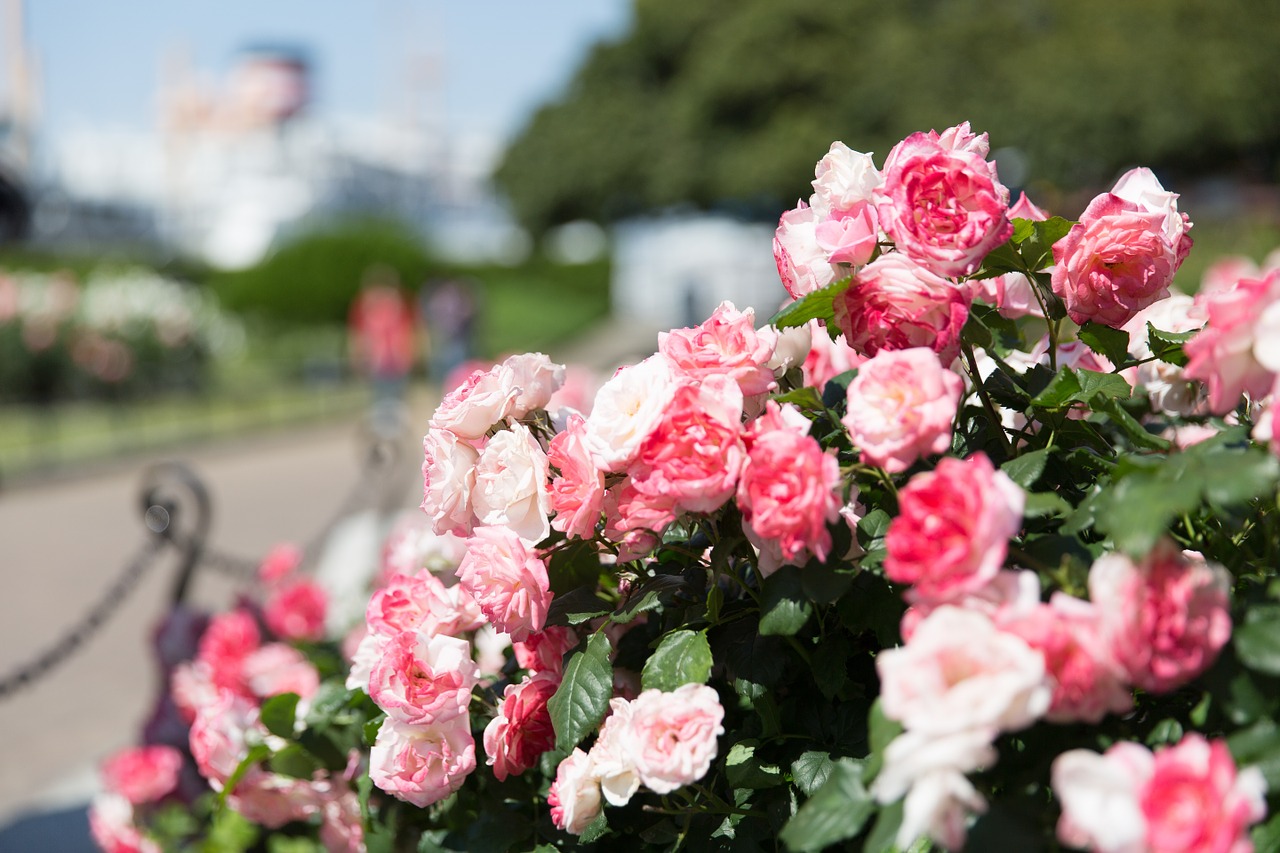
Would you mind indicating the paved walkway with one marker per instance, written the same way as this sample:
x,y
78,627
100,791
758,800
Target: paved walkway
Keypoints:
x,y
63,542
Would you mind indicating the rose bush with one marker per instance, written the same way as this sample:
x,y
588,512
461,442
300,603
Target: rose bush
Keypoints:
x,y
972,546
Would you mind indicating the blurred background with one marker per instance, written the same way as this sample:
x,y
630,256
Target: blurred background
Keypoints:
x,y
248,219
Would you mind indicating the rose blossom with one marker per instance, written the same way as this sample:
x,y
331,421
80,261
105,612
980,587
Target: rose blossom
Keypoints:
x,y
1237,351
422,764
142,774
544,651
671,737
272,799
942,203
422,679
508,580
522,730
1169,390
279,563
1088,683
728,344
851,237
803,265
901,405
112,828
1122,254
844,179
296,611
448,479
894,303
223,647
695,452
511,484
1183,798
827,358
627,409
953,528
218,736
574,797
960,672
576,494
789,490
1011,595
1166,618
484,399
634,519
536,379
277,668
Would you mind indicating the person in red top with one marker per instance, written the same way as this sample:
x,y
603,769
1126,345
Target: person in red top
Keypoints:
x,y
383,334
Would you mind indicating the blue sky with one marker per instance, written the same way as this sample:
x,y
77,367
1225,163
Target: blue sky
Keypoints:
x,y
99,62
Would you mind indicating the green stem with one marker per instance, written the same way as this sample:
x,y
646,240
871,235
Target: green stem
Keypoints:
x,y
976,376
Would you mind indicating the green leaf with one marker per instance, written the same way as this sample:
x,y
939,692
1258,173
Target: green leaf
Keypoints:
x,y
884,833
1093,384
838,810
744,770
1026,468
325,705
1257,642
294,761
1132,428
595,830
1061,391
1042,504
229,833
572,565
279,714
1023,229
580,703
811,770
818,305
371,729
1259,746
1266,836
1167,346
830,671
256,753
785,608
1108,342
805,398
1037,250
683,657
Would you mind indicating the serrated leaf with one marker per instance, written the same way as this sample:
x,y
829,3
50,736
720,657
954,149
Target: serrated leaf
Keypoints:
x,y
280,714
784,608
1130,426
683,657
1106,341
811,770
830,672
575,607
838,810
1022,229
595,830
1061,391
1043,504
818,305
1167,346
580,702
1026,468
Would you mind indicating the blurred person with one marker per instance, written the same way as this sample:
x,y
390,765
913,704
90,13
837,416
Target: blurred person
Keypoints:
x,y
449,311
382,334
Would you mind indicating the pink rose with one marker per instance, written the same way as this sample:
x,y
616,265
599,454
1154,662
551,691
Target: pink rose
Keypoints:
x,y
1166,385
412,545
341,828
695,452
508,580
448,479
850,238
544,651
511,484
1195,800
111,825
942,203
223,647
1088,683
1120,257
953,528
1141,187
634,519
297,611
894,303
218,737
827,358
280,562
726,344
1237,351
1011,595
574,797
1013,295
484,399
612,759
627,409
803,265
576,494
537,378
423,679
272,800
1184,798
1024,208
959,672
142,774
422,764
790,488
276,668
671,737
1166,618
515,739
901,405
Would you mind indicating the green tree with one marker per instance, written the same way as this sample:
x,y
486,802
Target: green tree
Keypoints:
x,y
727,105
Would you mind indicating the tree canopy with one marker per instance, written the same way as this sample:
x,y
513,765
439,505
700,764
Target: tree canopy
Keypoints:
x,y
727,104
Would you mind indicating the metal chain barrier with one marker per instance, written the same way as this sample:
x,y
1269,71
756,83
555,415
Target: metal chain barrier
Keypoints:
x,y
177,511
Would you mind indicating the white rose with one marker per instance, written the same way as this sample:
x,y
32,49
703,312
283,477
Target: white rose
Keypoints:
x,y
484,399
537,378
844,177
1099,796
511,484
627,409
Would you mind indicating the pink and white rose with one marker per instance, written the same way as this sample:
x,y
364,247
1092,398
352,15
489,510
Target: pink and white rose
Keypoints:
x,y
522,731
728,344
448,479
627,410
576,494
422,764
486,398
900,407
672,736
423,679
537,379
574,797
142,774
296,610
803,265
508,580
1238,351
511,484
